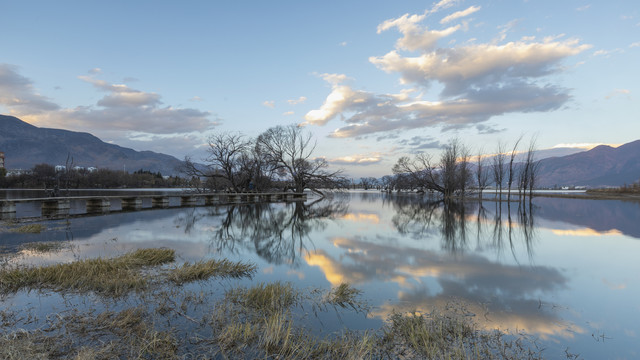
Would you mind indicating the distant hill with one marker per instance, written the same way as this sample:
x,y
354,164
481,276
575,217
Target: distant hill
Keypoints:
x,y
26,145
600,166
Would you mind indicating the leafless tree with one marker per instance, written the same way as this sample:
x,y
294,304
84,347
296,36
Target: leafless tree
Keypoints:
x,y
288,150
449,176
482,176
512,171
498,169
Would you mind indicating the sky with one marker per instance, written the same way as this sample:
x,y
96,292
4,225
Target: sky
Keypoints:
x,y
371,80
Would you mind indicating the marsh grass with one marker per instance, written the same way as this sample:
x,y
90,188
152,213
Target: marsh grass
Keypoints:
x,y
204,270
44,246
450,336
29,229
266,320
113,277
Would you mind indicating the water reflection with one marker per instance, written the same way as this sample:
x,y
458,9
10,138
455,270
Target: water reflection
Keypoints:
x,y
426,217
277,233
529,268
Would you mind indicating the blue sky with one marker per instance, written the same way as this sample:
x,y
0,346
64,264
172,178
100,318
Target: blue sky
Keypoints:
x,y
372,80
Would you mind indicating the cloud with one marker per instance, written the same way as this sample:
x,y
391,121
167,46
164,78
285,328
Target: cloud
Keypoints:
x,y
123,115
617,92
359,159
415,37
476,66
95,71
18,94
196,98
460,14
443,4
635,44
421,143
269,103
288,113
477,82
372,113
583,8
297,101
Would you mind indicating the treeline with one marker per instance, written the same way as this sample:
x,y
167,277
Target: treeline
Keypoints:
x,y
45,176
624,189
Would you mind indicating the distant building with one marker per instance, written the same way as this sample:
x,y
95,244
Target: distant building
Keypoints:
x,y
1,160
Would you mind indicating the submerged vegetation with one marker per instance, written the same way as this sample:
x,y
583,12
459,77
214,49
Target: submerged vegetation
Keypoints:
x,y
265,320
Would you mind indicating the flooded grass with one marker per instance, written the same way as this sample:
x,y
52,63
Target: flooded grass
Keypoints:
x,y
204,270
29,229
44,246
265,320
113,277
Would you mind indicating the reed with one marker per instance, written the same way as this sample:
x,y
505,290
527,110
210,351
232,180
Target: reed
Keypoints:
x,y
203,270
113,277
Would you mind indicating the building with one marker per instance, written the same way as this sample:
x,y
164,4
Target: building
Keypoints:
x,y
1,160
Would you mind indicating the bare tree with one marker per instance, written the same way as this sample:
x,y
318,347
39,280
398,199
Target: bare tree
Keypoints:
x,y
226,153
498,163
288,150
482,176
512,157
449,176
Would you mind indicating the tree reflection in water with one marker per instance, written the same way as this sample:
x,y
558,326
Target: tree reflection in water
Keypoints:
x,y
278,233
427,217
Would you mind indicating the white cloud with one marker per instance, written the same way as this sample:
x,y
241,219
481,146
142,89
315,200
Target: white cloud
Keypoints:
x,y
297,101
635,44
196,98
479,81
344,43
269,103
95,71
479,65
358,159
584,8
415,36
443,4
460,14
288,113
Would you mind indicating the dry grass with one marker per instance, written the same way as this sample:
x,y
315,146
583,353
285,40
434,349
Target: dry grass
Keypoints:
x,y
266,320
265,298
29,229
44,246
450,336
114,277
203,270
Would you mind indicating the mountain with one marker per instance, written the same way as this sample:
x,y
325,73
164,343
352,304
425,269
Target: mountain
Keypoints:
x,y
26,145
601,166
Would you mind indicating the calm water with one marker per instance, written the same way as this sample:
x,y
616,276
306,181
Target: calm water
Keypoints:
x,y
564,270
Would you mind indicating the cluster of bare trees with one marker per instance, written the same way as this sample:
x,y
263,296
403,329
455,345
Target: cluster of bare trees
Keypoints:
x,y
456,172
282,156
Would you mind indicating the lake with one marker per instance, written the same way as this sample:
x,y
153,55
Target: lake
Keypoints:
x,y
563,271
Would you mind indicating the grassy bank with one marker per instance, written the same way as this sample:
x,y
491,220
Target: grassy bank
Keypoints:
x,y
163,318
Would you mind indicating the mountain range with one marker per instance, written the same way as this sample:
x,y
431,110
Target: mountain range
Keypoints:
x,y
26,145
601,166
